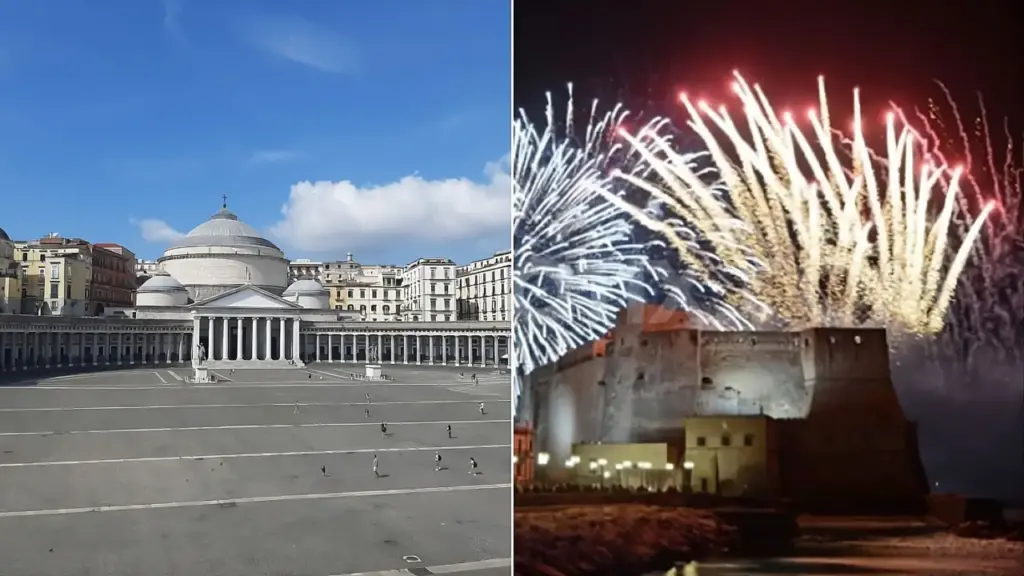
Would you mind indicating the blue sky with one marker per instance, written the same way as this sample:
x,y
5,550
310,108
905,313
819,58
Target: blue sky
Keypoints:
x,y
379,128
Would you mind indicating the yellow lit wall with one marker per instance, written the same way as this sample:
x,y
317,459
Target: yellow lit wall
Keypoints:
x,y
732,455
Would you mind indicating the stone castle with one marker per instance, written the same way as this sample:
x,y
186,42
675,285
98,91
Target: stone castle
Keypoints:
x,y
827,391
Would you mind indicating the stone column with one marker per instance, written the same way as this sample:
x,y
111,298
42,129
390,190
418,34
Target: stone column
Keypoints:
x,y
419,355
211,339
444,350
405,348
393,342
330,349
430,338
281,333
253,339
268,342
316,338
225,348
3,347
81,350
181,347
296,341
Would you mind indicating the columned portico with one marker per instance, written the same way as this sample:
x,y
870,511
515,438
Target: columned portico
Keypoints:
x,y
470,344
248,339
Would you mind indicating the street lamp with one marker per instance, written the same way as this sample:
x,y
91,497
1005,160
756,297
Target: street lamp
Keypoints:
x,y
543,458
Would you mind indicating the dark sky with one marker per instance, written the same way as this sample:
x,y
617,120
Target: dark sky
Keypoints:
x,y
644,52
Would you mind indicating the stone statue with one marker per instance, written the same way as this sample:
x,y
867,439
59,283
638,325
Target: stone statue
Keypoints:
x,y
371,353
200,354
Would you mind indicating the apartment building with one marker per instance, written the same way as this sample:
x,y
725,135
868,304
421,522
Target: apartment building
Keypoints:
x,y
113,277
375,291
484,288
429,290
53,283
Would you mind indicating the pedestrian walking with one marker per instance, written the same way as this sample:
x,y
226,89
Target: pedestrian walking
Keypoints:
x,y
367,412
472,466
376,471
482,408
367,397
323,470
449,431
383,430
296,406
309,375
437,461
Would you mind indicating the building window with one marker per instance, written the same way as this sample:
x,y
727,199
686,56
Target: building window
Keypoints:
x,y
362,294
54,271
351,307
386,309
373,294
433,273
349,293
702,441
54,290
748,439
433,303
373,308
726,440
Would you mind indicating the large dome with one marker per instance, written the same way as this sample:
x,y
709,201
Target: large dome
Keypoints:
x,y
223,229
223,253
4,236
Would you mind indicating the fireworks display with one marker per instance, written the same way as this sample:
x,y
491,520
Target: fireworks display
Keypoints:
x,y
850,238
988,313
576,263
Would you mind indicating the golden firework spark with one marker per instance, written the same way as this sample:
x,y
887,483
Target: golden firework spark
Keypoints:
x,y
847,237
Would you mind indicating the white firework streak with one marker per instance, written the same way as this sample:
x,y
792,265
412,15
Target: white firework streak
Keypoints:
x,y
576,263
810,221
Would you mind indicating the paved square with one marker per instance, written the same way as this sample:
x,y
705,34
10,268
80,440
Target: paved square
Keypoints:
x,y
134,472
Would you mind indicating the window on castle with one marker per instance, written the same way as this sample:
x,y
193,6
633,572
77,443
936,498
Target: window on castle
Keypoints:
x,y
726,440
748,439
702,441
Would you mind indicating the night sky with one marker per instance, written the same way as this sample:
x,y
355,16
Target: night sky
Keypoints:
x,y
643,52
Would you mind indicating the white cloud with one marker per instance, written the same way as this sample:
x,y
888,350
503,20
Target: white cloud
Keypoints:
x,y
326,216
154,230
271,156
299,41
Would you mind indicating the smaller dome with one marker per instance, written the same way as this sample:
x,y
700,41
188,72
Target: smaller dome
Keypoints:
x,y
162,282
306,288
4,236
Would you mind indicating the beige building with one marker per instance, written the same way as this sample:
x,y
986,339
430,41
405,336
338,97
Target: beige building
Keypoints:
x,y
429,290
484,288
374,291
10,277
55,281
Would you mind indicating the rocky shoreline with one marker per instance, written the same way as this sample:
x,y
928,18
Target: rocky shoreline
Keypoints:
x,y
619,539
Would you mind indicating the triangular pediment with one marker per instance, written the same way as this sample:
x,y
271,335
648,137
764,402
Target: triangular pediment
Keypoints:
x,y
247,297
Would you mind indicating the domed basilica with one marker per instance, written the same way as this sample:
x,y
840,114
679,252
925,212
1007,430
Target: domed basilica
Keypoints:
x,y
222,299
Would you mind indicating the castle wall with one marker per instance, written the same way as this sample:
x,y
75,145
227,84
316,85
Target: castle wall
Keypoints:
x,y
652,379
